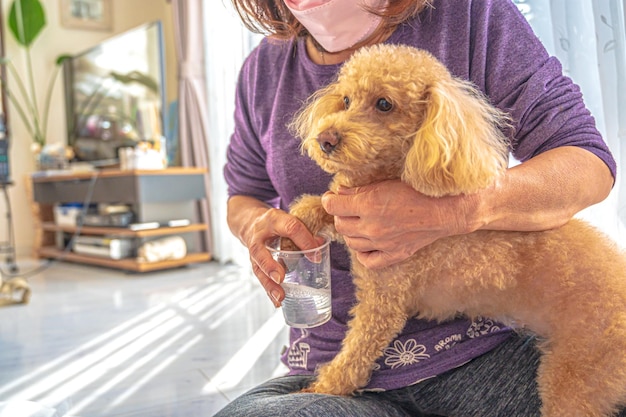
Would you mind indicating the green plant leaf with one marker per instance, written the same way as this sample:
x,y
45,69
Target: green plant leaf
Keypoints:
x,y
137,77
26,20
62,58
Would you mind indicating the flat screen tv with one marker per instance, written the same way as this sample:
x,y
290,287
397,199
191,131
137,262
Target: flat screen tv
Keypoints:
x,y
115,94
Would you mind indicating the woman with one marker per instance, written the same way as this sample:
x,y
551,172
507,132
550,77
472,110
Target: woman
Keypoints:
x,y
457,368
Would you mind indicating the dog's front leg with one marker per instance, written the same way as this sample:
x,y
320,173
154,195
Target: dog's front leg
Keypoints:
x,y
308,208
379,315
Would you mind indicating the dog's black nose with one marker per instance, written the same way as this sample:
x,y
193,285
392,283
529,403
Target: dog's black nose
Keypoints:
x,y
328,140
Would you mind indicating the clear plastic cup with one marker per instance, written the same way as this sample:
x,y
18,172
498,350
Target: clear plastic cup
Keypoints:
x,y
307,300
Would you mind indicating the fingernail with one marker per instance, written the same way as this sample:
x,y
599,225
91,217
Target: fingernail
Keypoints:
x,y
275,294
275,276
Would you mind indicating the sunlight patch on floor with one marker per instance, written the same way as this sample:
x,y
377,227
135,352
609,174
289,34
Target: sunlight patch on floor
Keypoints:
x,y
231,374
119,354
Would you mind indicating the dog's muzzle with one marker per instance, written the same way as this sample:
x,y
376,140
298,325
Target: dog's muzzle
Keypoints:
x,y
328,140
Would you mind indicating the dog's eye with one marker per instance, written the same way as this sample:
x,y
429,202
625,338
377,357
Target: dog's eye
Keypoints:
x,y
383,105
346,102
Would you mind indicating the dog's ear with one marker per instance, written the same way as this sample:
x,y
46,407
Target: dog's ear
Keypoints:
x,y
459,147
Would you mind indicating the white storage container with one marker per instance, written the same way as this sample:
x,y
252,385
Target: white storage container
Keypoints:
x,y
67,214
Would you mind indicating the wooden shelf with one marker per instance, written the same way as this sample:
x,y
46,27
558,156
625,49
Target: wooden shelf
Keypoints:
x,y
44,176
143,190
130,264
124,232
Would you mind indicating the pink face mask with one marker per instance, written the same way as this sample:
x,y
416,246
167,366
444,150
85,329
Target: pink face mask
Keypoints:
x,y
337,24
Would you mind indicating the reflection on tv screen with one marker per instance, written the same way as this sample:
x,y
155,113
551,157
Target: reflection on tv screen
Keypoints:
x,y
116,94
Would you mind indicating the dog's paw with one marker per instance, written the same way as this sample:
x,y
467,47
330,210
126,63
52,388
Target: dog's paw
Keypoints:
x,y
308,208
287,244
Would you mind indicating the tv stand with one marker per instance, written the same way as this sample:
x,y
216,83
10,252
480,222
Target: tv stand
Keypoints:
x,y
155,195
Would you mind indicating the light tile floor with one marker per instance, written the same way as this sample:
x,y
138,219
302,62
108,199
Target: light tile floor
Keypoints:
x,y
98,342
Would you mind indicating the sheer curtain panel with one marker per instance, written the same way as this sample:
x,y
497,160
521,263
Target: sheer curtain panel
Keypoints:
x,y
227,43
193,129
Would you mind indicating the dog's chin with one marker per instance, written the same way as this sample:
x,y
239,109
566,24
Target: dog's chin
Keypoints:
x,y
324,160
329,166
354,175
354,166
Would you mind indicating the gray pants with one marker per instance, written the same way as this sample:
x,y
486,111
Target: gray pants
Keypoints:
x,y
501,383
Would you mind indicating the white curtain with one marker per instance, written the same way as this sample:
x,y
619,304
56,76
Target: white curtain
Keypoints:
x,y
589,38
227,42
192,100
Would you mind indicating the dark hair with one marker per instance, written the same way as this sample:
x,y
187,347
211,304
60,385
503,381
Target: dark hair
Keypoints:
x,y
272,17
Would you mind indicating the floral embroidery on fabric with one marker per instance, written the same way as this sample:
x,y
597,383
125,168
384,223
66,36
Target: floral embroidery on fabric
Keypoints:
x,y
403,354
481,326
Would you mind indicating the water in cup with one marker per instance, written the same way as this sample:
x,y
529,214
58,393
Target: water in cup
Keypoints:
x,y
307,300
305,306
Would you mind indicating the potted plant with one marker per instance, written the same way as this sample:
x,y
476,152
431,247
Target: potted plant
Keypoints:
x,y
26,20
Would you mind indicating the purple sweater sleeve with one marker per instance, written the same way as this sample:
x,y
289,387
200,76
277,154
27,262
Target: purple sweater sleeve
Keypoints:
x,y
515,71
246,171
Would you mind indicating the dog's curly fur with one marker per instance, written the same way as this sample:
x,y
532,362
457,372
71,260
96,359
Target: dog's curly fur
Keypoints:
x,y
396,112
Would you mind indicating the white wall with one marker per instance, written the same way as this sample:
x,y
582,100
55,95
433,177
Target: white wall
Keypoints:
x,y
52,42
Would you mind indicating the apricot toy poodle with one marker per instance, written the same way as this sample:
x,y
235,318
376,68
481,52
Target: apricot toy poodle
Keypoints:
x,y
396,112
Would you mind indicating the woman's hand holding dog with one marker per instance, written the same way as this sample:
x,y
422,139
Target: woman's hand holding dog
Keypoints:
x,y
387,222
253,222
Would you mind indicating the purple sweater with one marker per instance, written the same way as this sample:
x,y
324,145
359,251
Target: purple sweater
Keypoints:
x,y
485,41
